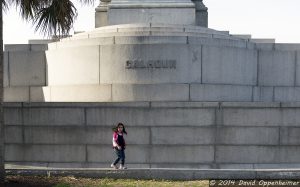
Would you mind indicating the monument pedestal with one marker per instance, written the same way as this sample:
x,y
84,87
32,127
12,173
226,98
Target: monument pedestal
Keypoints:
x,y
101,14
147,11
201,13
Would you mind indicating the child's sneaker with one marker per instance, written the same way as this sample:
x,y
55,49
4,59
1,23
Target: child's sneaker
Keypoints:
x,y
113,166
122,167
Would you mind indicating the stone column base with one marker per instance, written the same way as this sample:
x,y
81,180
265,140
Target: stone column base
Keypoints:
x,y
165,12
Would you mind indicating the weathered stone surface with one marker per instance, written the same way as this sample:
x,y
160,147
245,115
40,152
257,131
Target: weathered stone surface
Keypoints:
x,y
45,153
257,154
287,94
52,46
13,116
133,154
213,92
287,47
54,116
180,165
27,68
290,117
182,154
263,93
73,66
182,104
81,93
276,68
252,117
17,47
298,69
86,42
92,165
229,66
236,166
27,165
248,135
16,94
56,135
263,40
247,154
13,134
152,28
39,94
289,136
187,64
150,92
5,69
82,135
261,117
265,46
290,105
289,154
217,42
242,36
26,47
182,135
251,105
146,117
150,40
182,15
39,47
276,166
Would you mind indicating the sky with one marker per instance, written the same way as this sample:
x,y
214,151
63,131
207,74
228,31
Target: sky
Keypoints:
x,y
261,18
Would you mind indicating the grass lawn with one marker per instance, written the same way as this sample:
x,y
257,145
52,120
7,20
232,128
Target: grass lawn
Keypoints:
x,y
37,181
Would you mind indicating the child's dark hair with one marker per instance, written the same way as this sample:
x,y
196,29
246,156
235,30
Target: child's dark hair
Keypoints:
x,y
115,129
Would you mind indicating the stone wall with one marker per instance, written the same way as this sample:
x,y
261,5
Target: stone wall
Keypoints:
x,y
25,71
160,134
97,66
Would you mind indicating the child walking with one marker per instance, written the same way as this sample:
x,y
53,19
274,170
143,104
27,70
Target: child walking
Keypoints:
x,y
119,145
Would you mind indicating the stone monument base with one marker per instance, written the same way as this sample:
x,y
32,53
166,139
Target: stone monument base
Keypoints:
x,y
124,12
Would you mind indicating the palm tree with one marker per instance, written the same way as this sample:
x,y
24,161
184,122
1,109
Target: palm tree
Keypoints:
x,y
51,17
2,171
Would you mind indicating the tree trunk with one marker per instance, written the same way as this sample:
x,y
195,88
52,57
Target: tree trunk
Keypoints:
x,y
2,170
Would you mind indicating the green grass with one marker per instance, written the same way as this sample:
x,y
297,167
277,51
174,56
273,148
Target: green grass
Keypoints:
x,y
62,185
105,182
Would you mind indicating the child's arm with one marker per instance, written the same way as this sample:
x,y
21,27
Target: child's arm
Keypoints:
x,y
115,144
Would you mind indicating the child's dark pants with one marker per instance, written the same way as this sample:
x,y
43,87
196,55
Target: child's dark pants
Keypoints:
x,y
121,156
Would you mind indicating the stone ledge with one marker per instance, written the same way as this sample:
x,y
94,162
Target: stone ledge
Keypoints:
x,y
84,104
12,104
25,47
163,173
153,104
290,104
184,104
250,104
140,29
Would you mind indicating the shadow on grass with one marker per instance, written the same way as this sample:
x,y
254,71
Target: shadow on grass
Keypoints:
x,y
33,181
70,181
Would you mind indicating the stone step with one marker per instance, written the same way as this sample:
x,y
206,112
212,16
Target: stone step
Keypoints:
x,y
98,36
162,173
151,92
181,38
148,32
133,28
146,38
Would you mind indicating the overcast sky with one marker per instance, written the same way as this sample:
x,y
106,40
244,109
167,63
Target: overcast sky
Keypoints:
x,y
261,18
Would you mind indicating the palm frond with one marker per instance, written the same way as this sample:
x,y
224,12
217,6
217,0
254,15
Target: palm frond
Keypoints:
x,y
27,8
51,17
4,5
88,2
56,19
